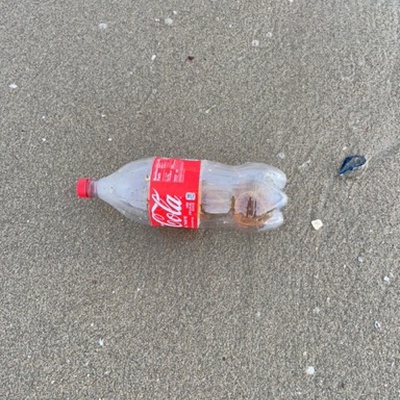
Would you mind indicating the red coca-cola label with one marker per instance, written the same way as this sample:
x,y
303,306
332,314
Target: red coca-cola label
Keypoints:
x,y
174,193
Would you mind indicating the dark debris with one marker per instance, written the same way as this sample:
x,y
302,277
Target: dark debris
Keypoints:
x,y
351,163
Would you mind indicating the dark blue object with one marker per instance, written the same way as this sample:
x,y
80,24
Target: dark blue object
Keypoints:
x,y
351,163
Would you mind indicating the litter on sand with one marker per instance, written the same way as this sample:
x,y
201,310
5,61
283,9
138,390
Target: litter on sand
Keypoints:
x,y
351,164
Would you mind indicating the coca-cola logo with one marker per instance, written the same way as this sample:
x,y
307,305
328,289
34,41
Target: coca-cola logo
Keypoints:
x,y
168,211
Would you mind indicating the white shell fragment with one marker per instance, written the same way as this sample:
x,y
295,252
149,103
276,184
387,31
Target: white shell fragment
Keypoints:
x,y
317,224
310,370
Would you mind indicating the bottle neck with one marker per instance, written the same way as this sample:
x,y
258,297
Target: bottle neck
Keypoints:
x,y
92,188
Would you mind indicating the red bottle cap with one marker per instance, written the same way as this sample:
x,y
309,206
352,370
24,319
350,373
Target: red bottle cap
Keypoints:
x,y
83,188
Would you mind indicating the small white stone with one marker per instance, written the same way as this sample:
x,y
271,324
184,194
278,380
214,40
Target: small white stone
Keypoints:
x,y
360,259
153,57
168,21
269,34
377,325
310,370
305,165
255,43
43,139
317,224
386,279
12,86
109,139
101,342
174,12
281,155
102,26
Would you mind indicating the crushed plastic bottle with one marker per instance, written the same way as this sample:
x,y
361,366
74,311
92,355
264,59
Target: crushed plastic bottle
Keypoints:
x,y
183,193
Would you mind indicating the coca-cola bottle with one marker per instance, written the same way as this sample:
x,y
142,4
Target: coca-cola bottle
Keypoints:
x,y
183,193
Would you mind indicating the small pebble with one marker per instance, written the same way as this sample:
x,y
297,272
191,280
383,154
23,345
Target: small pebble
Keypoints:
x,y
304,165
377,325
101,342
269,34
43,139
174,12
255,43
12,86
317,224
153,57
157,19
386,279
310,370
109,139
281,155
360,259
168,21
102,26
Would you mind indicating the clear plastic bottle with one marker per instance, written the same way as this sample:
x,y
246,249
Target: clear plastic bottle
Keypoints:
x,y
193,194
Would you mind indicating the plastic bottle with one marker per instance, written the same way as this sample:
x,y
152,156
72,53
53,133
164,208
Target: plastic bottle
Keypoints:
x,y
194,194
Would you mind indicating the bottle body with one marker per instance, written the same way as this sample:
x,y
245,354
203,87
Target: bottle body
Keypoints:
x,y
247,197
